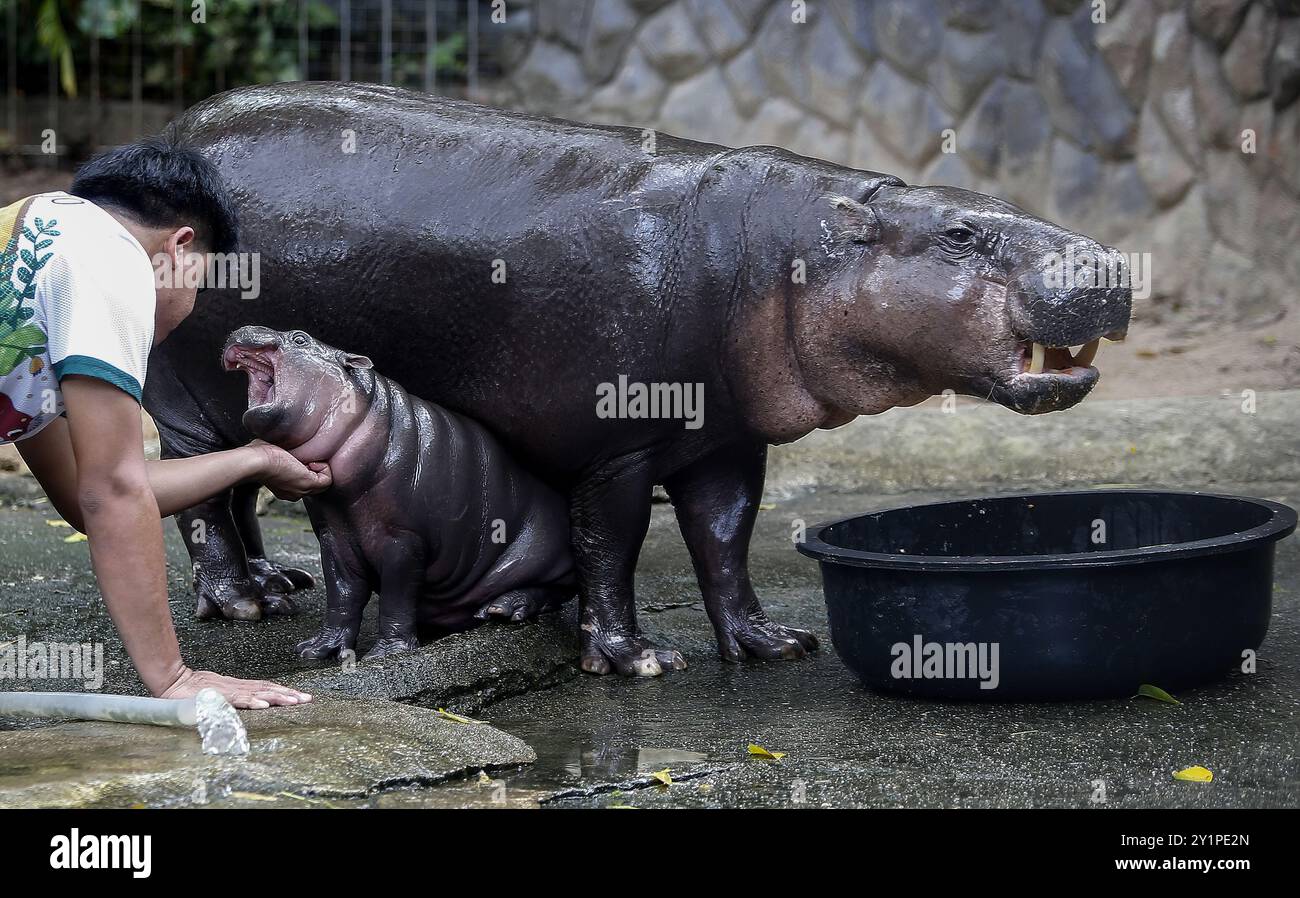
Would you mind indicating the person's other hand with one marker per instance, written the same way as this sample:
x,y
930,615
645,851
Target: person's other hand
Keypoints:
x,y
247,694
287,477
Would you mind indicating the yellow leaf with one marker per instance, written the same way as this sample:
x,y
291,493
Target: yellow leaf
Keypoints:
x,y
620,807
454,718
252,796
283,794
766,506
483,778
76,538
57,522
663,776
705,787
1194,775
1146,690
759,751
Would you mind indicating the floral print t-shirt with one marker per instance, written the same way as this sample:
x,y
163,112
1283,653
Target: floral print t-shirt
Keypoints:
x,y
76,297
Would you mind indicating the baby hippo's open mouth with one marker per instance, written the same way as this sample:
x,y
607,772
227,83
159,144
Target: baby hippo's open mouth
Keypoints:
x,y
258,362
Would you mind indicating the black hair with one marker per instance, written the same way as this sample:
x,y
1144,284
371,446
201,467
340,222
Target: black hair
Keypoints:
x,y
162,184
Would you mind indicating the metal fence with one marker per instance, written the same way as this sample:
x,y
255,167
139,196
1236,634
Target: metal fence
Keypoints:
x,y
132,64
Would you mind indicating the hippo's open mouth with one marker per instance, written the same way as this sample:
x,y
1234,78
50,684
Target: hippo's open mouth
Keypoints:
x,y
1036,359
258,362
1044,378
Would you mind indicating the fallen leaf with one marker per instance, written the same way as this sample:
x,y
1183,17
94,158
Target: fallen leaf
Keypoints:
x,y
253,796
663,776
305,799
76,538
454,718
766,506
759,751
57,522
1146,690
1196,774
483,778
620,807
705,787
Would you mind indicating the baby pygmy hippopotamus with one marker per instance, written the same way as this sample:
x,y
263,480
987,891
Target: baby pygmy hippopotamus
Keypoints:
x,y
426,508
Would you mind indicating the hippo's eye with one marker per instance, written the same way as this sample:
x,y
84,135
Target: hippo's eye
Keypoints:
x,y
961,235
300,338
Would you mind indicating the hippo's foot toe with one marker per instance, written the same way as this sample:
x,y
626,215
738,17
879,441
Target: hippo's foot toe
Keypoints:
x,y
277,579
522,604
754,635
229,598
392,645
328,643
631,656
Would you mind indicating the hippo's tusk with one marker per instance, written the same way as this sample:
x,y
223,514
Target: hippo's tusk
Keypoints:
x,y
1036,361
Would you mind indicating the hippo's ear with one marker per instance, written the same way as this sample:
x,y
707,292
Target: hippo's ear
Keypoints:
x,y
357,361
858,221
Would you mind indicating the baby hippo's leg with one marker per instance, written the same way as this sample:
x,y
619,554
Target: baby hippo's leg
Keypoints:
x,y
527,602
401,581
346,596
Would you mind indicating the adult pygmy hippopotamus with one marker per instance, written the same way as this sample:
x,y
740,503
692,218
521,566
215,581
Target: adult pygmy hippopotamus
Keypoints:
x,y
426,508
506,266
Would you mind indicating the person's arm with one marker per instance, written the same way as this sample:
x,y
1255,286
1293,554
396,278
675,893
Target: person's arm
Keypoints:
x,y
177,483
121,518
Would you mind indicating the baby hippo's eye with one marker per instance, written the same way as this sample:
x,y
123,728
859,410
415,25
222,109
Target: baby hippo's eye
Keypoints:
x,y
299,338
961,235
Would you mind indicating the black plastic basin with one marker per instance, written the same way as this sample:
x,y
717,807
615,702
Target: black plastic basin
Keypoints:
x,y
1059,595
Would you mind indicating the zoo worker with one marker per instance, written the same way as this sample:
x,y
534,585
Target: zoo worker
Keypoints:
x,y
83,300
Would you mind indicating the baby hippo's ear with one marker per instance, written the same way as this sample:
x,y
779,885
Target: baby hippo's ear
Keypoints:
x,y
357,361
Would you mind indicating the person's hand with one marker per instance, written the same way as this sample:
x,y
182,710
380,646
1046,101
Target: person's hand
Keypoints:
x,y
287,477
247,694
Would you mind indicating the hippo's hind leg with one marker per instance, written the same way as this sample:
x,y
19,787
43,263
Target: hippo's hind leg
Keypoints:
x,y
716,500
274,581
527,602
610,513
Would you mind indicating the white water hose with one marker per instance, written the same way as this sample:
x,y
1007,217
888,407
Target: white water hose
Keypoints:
x,y
219,726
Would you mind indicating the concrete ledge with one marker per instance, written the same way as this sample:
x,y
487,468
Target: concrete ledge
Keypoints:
x,y
331,748
1143,441
463,672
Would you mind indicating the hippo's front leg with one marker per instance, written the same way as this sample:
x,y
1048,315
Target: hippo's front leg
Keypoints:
x,y
716,500
401,579
610,513
274,580
223,584
347,593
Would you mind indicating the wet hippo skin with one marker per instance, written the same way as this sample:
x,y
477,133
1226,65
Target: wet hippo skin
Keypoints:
x,y
426,508
796,293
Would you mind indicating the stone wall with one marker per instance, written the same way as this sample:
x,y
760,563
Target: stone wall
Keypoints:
x,y
1130,130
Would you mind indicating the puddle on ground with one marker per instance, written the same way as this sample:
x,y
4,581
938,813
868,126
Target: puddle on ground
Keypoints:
x,y
600,763
583,758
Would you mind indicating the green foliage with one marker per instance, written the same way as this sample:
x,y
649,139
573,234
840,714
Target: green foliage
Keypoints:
x,y
225,43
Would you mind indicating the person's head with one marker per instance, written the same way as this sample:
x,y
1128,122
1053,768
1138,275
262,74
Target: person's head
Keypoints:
x,y
173,201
